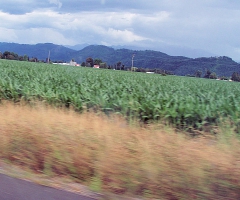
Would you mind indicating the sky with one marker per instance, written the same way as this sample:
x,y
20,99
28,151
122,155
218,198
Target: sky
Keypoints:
x,y
192,28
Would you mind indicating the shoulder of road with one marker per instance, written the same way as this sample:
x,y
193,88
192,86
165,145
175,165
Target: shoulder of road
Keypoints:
x,y
21,184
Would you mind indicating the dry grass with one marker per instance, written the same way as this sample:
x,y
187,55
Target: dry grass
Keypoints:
x,y
109,155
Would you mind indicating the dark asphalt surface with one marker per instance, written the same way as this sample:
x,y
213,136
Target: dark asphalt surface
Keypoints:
x,y
16,189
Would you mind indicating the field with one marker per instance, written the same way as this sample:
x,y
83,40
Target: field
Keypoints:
x,y
120,132
187,103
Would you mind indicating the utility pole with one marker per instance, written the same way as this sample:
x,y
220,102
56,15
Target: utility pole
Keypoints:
x,y
49,57
132,60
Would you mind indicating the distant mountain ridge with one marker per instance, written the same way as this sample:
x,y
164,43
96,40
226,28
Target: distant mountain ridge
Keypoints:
x,y
179,65
41,51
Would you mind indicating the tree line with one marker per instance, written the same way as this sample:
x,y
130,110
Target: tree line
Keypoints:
x,y
90,62
212,75
14,56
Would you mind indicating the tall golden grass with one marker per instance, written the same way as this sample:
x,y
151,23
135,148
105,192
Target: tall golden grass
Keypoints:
x,y
107,154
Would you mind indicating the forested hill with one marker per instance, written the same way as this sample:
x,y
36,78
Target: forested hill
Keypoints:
x,y
40,51
179,65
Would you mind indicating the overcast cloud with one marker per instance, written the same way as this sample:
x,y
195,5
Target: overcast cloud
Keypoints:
x,y
177,27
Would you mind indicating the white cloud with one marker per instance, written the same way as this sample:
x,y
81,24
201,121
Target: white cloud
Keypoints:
x,y
122,36
42,35
56,2
8,35
210,25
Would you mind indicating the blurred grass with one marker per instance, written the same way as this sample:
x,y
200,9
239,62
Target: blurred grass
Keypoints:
x,y
107,154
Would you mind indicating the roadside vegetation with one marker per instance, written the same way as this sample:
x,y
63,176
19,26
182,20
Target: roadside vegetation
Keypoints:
x,y
109,155
147,135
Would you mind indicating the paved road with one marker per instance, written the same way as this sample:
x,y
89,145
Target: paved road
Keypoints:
x,y
16,189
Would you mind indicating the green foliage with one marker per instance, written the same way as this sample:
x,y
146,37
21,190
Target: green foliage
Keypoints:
x,y
119,64
208,74
198,73
89,62
10,55
224,78
182,101
103,65
213,75
95,184
235,77
97,61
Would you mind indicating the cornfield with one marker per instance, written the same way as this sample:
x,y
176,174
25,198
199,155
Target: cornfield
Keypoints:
x,y
181,101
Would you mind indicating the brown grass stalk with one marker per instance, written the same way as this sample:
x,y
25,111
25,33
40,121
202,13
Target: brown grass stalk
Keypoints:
x,y
109,155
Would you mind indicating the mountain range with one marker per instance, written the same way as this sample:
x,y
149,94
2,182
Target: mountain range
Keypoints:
x,y
179,65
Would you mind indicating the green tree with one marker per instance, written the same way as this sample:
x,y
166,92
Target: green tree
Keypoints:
x,y
5,54
25,57
11,57
89,62
119,65
20,58
198,73
97,61
235,77
103,65
208,73
83,64
213,75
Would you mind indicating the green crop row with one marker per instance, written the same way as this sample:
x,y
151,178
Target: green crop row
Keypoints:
x,y
182,101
